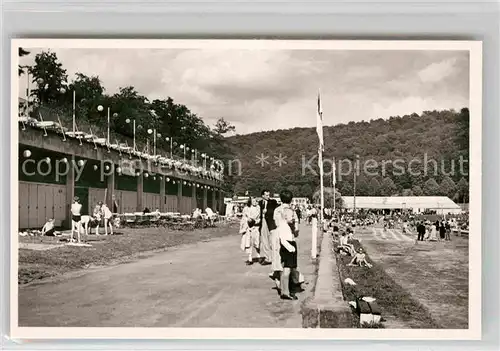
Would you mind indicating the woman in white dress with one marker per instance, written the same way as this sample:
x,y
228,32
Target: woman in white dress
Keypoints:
x,y
249,229
433,234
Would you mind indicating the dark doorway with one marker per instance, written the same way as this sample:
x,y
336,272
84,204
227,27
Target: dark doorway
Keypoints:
x,y
83,195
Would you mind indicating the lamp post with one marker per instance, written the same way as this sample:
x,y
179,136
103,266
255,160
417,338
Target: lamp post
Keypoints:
x,y
171,148
155,135
28,92
204,157
183,147
193,157
100,108
128,121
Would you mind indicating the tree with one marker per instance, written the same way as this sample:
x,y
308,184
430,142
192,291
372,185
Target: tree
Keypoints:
x,y
388,187
328,196
223,127
50,78
407,192
462,131
375,187
447,187
89,93
362,187
346,189
22,53
463,191
293,189
431,187
417,191
306,190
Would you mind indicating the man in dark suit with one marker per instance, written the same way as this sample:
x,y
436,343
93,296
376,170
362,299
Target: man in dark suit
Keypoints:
x,y
267,225
420,231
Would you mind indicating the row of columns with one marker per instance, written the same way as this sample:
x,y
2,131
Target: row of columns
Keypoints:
x,y
110,189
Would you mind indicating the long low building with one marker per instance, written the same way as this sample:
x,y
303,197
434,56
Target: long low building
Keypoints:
x,y
418,204
54,168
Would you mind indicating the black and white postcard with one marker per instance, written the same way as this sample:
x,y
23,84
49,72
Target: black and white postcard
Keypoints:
x,y
269,189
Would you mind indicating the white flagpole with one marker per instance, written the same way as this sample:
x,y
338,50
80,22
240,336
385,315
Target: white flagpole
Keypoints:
x,y
74,112
134,136
108,124
321,185
154,142
333,183
28,92
319,130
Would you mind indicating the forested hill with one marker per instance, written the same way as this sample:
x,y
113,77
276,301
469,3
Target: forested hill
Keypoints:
x,y
434,135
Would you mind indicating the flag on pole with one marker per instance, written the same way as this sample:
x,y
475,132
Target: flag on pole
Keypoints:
x,y
334,177
319,123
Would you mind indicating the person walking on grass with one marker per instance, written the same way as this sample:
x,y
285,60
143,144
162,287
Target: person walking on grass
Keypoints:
x,y
448,231
442,231
420,231
97,214
108,219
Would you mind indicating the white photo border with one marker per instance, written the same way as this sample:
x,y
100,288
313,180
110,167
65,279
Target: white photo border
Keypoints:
x,y
475,269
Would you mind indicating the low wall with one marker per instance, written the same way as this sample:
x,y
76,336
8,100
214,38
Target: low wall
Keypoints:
x,y
327,308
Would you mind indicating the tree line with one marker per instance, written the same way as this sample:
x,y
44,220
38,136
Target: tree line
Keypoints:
x,y
440,136
52,96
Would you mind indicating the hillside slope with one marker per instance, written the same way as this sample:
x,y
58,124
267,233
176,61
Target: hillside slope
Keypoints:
x,y
434,135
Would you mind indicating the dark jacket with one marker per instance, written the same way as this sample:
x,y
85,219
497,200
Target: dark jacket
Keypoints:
x,y
268,217
421,229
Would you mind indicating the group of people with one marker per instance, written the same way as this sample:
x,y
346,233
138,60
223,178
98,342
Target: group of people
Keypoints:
x,y
343,229
429,231
78,222
209,214
268,236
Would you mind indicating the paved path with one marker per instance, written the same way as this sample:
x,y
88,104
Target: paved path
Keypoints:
x,y
200,285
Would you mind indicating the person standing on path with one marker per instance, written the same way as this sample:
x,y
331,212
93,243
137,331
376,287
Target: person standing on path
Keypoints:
x,y
286,221
251,236
267,226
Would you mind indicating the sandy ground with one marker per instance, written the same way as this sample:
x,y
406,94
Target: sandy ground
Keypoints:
x,y
206,284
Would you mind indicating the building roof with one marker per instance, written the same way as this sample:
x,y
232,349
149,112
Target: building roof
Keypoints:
x,y
400,202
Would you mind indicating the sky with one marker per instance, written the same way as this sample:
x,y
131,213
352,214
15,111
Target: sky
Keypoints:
x,y
259,90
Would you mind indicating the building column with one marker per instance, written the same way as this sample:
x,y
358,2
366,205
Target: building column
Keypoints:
x,y
193,198
205,198
179,196
214,203
140,187
162,194
110,192
221,202
70,191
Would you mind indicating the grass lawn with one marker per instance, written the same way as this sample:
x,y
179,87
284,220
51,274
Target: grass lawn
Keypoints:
x,y
127,245
399,308
435,273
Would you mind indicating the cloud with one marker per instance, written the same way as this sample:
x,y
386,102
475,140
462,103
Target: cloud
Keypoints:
x,y
268,89
437,71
